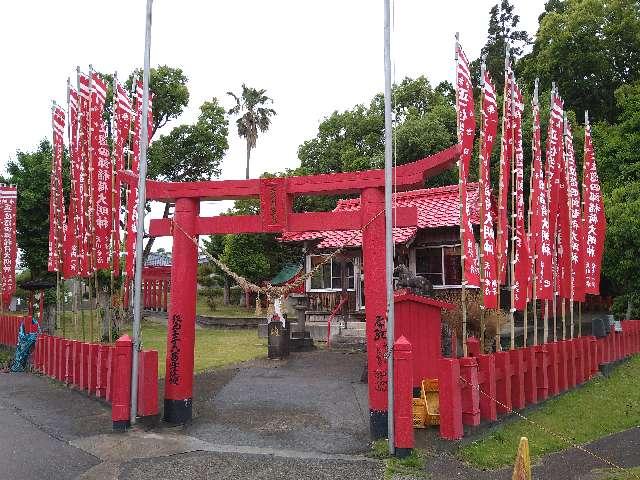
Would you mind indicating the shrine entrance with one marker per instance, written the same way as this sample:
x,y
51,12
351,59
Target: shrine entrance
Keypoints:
x,y
276,215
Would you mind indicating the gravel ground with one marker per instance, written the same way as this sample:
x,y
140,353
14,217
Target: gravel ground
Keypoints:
x,y
312,402
194,466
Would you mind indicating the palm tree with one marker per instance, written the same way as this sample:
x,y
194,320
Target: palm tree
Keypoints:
x,y
255,115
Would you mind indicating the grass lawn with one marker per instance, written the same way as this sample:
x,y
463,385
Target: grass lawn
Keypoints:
x,y
223,310
5,355
214,347
603,406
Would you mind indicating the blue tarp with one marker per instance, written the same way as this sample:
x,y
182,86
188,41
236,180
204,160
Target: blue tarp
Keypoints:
x,y
24,347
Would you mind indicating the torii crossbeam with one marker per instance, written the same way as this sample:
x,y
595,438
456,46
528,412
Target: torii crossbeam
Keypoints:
x,y
276,216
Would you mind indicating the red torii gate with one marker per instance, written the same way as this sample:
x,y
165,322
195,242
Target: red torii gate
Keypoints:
x,y
276,216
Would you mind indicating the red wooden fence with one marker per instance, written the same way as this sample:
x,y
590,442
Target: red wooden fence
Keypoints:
x,y
481,385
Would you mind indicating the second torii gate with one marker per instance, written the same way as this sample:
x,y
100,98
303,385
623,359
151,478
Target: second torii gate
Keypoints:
x,y
276,216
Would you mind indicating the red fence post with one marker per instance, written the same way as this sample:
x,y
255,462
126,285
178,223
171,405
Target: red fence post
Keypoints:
x,y
101,371
60,364
517,381
503,382
571,364
579,346
148,383
121,395
531,378
450,399
84,366
541,354
487,381
77,361
563,379
470,394
66,376
110,372
93,367
403,397
552,370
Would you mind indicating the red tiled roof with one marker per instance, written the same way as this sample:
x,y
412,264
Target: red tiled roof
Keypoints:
x,y
437,207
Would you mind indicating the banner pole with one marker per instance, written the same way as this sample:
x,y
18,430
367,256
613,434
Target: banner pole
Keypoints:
x,y
481,201
535,253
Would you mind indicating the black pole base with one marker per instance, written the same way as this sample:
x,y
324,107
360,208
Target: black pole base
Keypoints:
x,y
121,425
178,411
378,425
402,452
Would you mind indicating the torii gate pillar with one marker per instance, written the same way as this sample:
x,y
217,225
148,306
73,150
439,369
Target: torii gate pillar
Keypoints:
x,y
181,319
375,288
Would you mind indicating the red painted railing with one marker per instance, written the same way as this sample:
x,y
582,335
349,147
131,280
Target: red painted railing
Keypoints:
x,y
506,381
99,369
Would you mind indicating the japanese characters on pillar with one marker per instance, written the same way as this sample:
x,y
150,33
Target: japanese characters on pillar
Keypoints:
x,y
489,130
466,133
132,200
594,221
122,120
540,227
575,218
102,171
8,201
521,259
56,199
505,172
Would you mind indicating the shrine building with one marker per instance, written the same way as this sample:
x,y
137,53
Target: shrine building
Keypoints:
x,y
430,249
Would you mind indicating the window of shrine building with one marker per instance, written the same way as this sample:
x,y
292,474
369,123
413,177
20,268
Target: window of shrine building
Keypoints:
x,y
440,265
330,276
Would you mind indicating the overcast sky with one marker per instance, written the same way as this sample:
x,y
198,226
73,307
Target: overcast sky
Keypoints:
x,y
312,57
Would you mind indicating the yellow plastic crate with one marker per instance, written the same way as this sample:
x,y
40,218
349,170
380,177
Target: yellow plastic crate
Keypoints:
x,y
431,398
419,413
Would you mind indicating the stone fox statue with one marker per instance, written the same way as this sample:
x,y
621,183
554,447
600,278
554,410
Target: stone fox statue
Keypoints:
x,y
417,284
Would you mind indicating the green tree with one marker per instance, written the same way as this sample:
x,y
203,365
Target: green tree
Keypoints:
x,y
621,262
31,173
254,115
502,31
589,48
190,153
354,139
170,93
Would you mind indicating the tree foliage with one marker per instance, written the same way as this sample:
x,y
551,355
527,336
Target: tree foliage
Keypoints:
x,y
354,139
502,31
589,48
191,152
171,94
30,172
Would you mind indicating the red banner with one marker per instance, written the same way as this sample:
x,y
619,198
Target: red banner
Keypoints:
x,y
575,219
8,203
132,200
539,227
594,222
56,197
553,175
489,130
73,253
123,112
102,176
466,133
521,259
505,171
85,226
563,224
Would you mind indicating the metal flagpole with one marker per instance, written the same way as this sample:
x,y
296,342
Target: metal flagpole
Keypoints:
x,y
463,296
140,220
388,215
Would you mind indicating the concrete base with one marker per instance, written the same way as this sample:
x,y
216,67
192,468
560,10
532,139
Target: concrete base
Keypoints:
x,y
178,412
